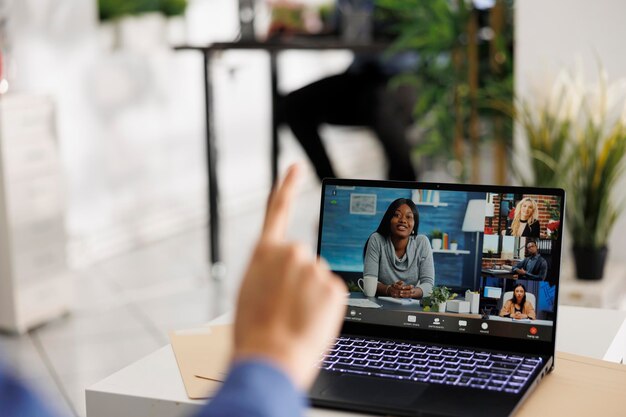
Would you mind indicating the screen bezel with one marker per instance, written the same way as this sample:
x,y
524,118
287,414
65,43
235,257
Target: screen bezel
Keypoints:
x,y
544,348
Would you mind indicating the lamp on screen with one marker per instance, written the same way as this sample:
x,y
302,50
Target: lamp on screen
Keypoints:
x,y
490,212
474,221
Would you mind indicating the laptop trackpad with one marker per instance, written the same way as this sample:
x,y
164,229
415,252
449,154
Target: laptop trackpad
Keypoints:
x,y
377,391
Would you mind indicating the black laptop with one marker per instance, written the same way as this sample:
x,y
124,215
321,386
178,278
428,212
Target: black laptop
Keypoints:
x,y
498,248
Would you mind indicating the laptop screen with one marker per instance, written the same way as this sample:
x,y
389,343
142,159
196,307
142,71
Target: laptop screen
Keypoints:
x,y
496,249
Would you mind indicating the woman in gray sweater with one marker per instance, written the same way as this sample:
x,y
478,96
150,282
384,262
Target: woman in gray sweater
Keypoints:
x,y
400,258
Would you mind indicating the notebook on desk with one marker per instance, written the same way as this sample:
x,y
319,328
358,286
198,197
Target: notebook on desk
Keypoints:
x,y
412,360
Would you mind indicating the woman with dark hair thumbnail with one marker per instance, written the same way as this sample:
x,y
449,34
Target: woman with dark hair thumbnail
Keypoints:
x,y
518,307
400,258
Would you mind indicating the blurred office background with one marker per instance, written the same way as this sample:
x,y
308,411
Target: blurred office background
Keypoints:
x,y
112,206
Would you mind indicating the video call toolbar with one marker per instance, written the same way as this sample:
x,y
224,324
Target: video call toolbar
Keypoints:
x,y
491,326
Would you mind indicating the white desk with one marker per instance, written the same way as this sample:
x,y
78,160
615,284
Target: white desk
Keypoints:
x,y
152,386
609,292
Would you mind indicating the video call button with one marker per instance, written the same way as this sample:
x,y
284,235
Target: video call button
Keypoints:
x,y
533,330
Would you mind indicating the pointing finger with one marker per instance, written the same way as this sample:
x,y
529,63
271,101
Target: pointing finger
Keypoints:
x,y
277,214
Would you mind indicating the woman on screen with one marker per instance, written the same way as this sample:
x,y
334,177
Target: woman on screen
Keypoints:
x,y
526,219
517,307
400,258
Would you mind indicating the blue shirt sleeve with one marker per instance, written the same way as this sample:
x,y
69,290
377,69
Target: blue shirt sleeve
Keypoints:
x,y
520,265
255,388
16,400
542,270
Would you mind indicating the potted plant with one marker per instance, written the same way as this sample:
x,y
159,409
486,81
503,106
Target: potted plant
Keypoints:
x,y
577,140
598,161
353,287
439,296
458,75
492,255
553,228
114,9
437,239
454,245
127,20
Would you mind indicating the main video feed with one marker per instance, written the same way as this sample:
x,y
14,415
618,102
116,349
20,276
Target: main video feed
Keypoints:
x,y
462,261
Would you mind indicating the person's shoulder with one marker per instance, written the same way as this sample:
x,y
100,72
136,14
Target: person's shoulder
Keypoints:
x,y
422,242
535,228
422,239
377,238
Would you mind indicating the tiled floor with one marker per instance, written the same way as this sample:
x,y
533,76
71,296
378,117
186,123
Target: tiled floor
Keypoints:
x,y
124,308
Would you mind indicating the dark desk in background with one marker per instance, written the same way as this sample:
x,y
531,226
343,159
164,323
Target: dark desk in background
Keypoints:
x,y
506,274
498,273
507,281
273,48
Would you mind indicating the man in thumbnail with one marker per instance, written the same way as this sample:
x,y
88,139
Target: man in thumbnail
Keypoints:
x,y
534,266
400,258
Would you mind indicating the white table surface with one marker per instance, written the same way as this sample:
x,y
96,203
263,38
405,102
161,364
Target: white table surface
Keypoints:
x,y
152,386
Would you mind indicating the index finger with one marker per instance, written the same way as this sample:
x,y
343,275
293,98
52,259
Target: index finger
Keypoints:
x,y
277,214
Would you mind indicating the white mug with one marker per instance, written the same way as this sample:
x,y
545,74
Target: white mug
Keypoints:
x,y
368,285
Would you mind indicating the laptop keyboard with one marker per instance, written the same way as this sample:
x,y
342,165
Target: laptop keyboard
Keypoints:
x,y
430,363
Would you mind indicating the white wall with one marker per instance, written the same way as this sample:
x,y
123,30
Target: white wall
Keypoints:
x,y
551,35
131,119
129,122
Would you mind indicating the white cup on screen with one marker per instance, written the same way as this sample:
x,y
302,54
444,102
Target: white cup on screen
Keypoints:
x,y
368,285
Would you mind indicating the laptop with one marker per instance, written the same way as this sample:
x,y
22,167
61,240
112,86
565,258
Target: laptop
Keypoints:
x,y
482,353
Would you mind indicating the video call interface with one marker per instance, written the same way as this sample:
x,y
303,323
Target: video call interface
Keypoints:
x,y
497,254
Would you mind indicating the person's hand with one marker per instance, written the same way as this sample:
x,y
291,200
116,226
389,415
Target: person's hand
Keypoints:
x,y
521,271
290,305
395,290
400,290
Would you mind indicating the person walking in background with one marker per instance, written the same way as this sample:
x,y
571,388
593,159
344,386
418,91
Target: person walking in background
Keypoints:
x,y
360,96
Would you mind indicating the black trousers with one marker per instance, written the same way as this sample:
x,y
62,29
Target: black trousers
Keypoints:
x,y
352,99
